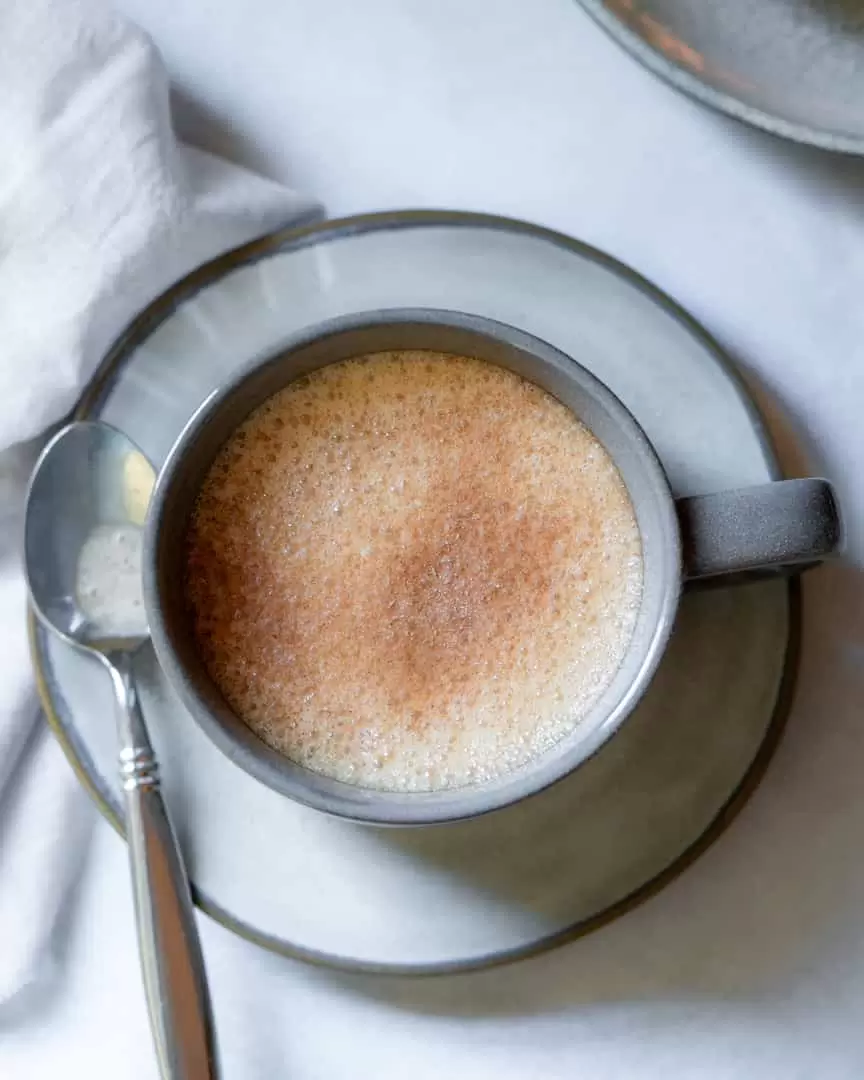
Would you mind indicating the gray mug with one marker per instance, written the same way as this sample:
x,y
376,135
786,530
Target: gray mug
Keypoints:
x,y
726,537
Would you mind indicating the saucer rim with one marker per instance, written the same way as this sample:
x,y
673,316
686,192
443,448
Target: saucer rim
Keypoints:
x,y
729,105
307,235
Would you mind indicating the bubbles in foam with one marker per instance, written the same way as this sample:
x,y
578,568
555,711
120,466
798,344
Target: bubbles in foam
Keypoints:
x,y
413,571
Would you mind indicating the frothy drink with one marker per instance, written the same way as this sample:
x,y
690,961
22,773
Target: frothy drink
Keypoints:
x,y
413,571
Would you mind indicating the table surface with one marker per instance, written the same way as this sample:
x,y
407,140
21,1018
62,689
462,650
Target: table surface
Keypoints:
x,y
752,963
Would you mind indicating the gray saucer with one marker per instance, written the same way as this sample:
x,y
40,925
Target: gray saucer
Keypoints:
x,y
533,875
793,67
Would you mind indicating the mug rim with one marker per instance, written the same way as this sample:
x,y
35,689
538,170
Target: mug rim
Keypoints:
x,y
339,798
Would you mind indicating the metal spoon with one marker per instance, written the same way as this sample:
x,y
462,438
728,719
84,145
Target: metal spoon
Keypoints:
x,y
85,511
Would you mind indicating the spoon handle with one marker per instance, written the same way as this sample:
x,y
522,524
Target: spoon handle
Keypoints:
x,y
175,982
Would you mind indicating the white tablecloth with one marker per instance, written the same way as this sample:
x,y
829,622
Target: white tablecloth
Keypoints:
x,y
752,963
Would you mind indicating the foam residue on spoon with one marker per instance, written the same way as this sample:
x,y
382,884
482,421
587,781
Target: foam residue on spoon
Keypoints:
x,y
108,581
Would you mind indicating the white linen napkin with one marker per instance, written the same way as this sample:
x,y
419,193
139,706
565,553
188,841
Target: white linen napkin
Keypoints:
x,y
100,209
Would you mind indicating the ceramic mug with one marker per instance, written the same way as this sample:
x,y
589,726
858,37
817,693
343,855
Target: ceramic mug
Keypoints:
x,y
727,537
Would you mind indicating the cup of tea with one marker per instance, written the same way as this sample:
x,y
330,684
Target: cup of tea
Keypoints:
x,y
419,565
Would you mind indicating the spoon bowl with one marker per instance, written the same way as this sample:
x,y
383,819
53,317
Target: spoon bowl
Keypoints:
x,y
86,508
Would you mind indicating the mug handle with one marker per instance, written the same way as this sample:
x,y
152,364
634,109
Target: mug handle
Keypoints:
x,y
749,533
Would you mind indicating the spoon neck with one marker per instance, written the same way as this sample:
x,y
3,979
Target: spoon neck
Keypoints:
x,y
130,723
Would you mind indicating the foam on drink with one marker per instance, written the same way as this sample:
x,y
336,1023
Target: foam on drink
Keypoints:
x,y
413,571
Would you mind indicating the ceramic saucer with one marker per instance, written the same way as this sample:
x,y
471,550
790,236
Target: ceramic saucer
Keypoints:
x,y
792,67
520,879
